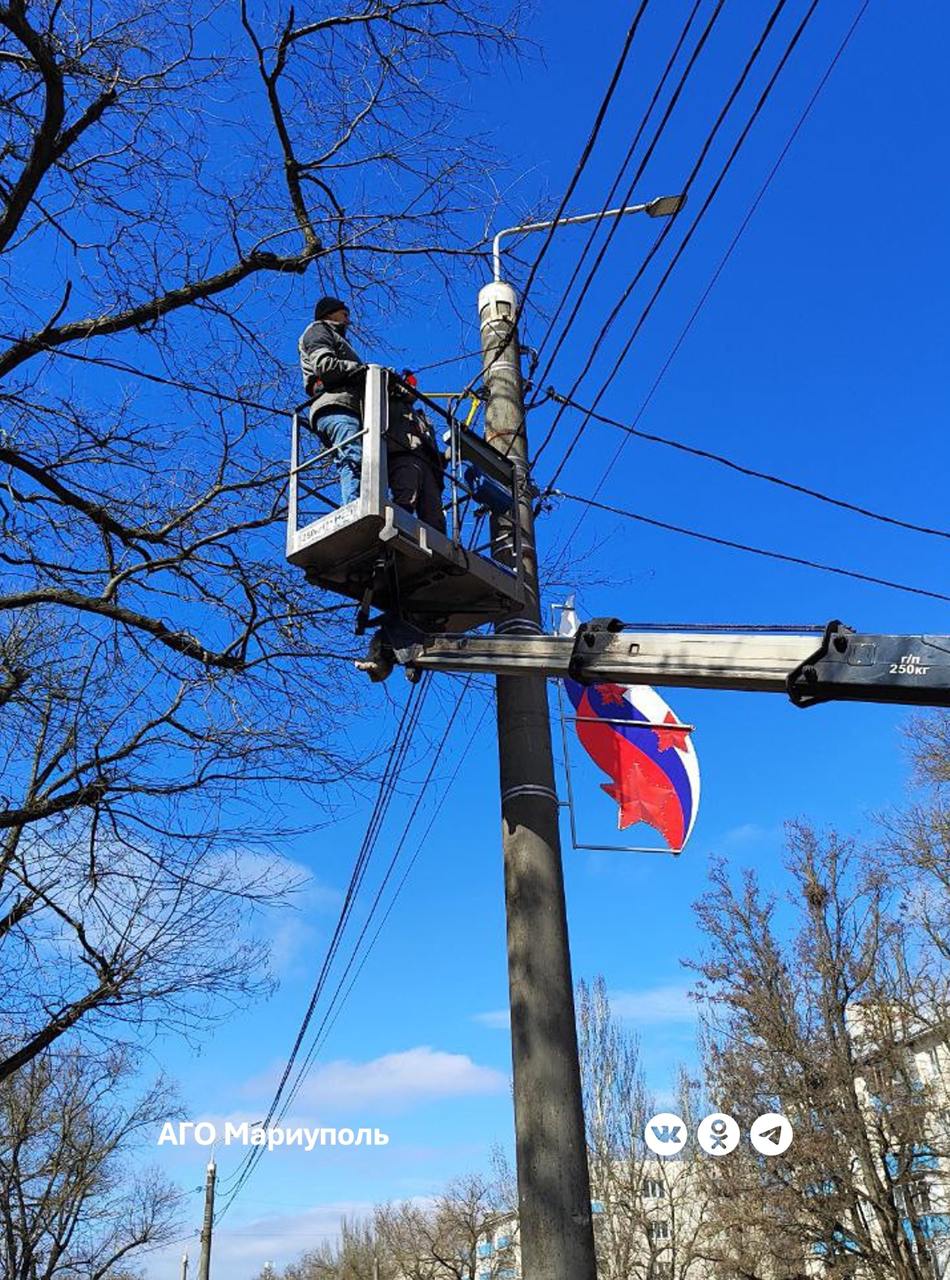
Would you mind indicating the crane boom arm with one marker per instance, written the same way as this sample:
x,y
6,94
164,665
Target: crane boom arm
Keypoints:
x,y
842,666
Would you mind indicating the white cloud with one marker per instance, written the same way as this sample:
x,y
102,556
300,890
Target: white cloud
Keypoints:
x,y
497,1019
395,1080
415,1075
664,1100
286,925
747,834
669,1003
291,937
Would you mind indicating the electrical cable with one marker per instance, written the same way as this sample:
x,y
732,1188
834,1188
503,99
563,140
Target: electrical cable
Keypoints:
x,y
195,388
418,850
676,346
588,146
575,178
327,1023
748,217
704,151
377,816
742,546
763,98
440,364
615,223
121,367
391,771
748,471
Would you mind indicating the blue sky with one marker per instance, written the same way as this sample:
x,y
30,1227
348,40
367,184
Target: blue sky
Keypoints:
x,y
820,355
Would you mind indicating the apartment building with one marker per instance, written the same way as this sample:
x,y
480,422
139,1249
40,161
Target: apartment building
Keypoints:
x,y
919,1170
653,1214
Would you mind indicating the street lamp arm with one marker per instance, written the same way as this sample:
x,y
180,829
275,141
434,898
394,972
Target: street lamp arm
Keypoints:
x,y
661,207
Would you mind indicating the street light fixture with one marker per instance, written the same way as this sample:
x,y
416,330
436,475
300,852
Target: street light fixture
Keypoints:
x,y
661,207
665,206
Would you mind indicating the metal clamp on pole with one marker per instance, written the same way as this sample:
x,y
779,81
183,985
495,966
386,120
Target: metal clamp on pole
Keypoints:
x,y
586,644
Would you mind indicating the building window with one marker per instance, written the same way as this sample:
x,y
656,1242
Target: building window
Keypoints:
x,y
484,1250
659,1230
653,1189
502,1242
918,1193
913,1160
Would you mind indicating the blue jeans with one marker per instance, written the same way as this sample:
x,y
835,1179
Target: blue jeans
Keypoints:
x,y
338,427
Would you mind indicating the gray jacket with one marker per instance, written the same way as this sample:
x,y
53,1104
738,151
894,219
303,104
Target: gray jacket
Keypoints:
x,y
333,373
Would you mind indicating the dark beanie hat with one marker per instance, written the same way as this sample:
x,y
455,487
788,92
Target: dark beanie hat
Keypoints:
x,y
326,307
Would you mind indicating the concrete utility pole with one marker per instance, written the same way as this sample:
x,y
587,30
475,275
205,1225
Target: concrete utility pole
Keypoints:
x,y
184,1267
204,1261
557,1241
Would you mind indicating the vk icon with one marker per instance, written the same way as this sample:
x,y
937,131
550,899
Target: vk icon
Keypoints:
x,y
665,1134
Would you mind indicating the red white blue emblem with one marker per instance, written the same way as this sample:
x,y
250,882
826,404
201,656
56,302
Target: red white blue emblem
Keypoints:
x,y
631,733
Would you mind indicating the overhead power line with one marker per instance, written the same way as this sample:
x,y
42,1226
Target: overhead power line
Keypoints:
x,y
179,384
745,470
628,195
744,546
440,364
195,388
460,760
737,147
391,772
751,211
588,146
686,188
575,178
745,222
337,1001
332,1012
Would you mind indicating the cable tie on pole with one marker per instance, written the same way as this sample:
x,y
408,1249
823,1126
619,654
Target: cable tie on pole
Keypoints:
x,y
528,790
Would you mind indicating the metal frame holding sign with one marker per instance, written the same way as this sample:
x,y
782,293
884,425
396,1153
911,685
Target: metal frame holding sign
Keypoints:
x,y
569,803
664,792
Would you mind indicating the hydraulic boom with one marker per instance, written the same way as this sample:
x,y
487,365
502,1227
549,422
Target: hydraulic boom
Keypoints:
x,y
843,666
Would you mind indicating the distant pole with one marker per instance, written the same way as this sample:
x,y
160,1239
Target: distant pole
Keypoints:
x,y
184,1267
375,1266
557,1239
207,1226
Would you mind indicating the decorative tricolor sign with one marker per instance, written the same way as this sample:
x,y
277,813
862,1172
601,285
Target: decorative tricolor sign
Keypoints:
x,y
632,735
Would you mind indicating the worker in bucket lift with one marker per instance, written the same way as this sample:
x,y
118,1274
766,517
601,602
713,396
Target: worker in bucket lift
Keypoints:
x,y
414,460
334,376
